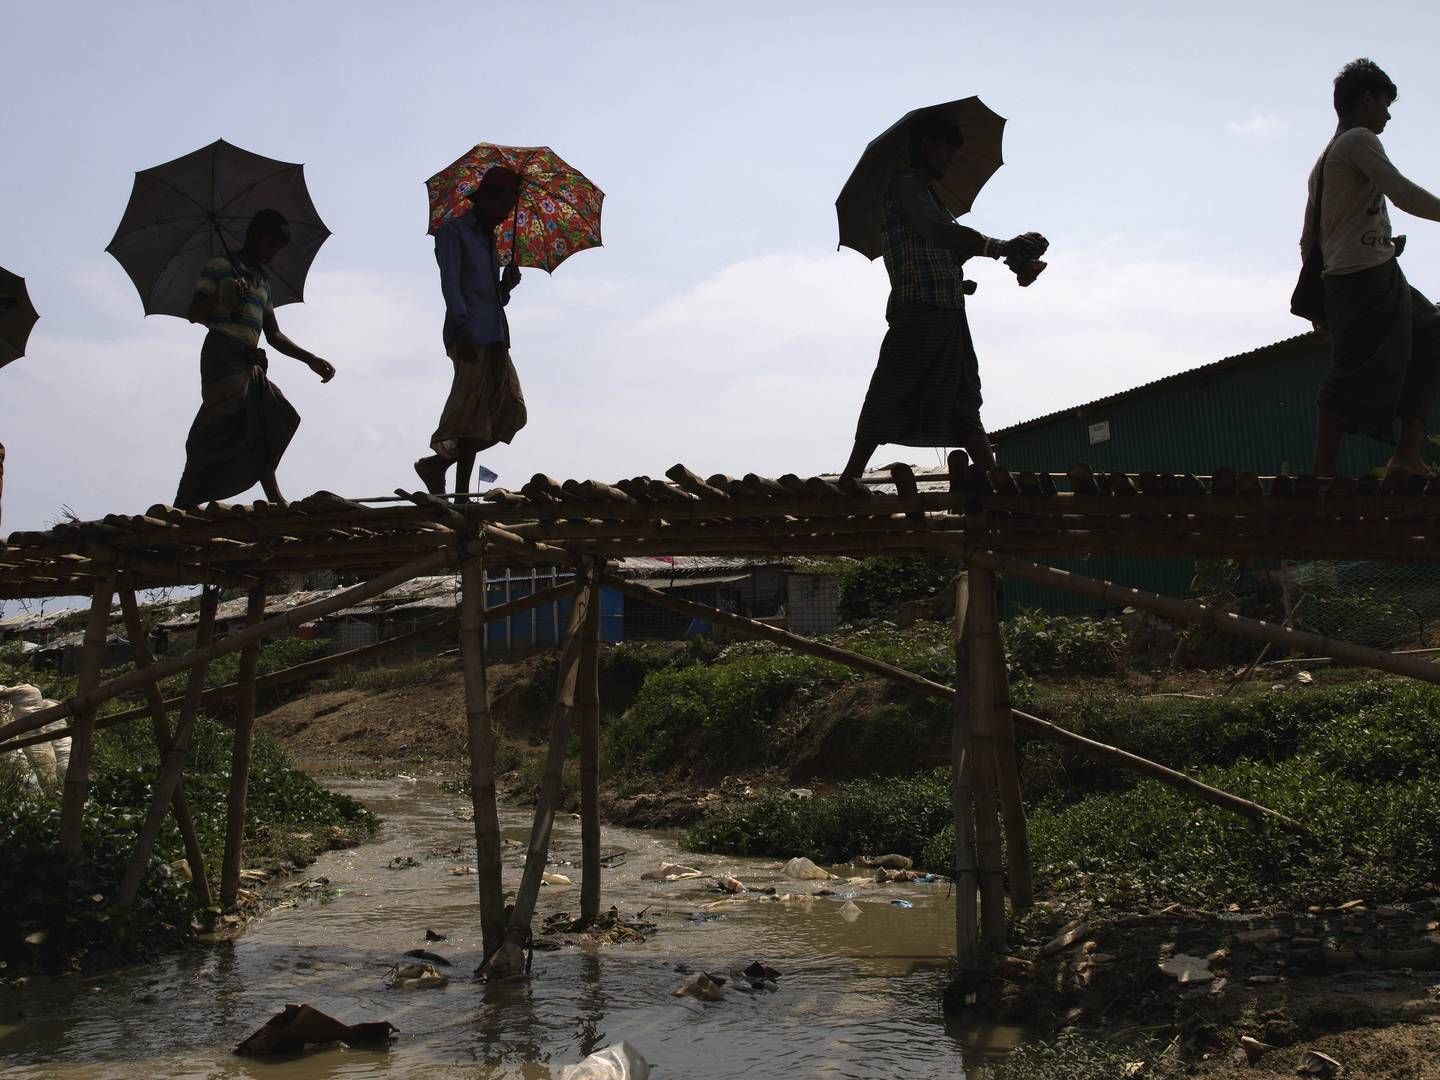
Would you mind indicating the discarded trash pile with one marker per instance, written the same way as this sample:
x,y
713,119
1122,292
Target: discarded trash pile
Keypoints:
x,y
609,927
755,977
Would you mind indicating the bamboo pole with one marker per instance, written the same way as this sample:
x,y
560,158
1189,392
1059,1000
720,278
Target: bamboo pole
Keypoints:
x,y
1007,771
89,699
173,764
77,776
982,631
1032,725
967,951
481,731
240,756
304,670
508,960
587,708
155,705
1112,595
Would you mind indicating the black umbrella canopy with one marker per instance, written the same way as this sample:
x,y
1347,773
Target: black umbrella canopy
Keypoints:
x,y
860,207
185,212
17,316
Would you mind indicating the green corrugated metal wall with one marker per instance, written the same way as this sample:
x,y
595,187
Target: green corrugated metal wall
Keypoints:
x,y
1255,413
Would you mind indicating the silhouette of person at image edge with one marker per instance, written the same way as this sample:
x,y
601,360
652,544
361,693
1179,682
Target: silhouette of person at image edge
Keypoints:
x,y
1384,335
926,387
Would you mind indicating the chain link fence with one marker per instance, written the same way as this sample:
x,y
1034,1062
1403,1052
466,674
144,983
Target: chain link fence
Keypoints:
x,y
1382,605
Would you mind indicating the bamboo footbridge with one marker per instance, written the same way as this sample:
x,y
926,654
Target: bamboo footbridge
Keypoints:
x,y
989,521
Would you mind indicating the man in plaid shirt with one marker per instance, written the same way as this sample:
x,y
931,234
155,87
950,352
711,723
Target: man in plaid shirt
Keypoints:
x,y
926,386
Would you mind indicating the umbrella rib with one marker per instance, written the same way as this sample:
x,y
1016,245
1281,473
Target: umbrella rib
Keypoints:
x,y
256,183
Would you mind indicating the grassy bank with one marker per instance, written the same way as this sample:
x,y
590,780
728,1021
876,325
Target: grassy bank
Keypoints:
x,y
1356,764
56,917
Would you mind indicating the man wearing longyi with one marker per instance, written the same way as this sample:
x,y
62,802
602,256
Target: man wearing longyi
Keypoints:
x,y
485,405
1384,335
926,387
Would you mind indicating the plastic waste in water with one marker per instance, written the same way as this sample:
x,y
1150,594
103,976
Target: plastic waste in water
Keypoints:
x,y
618,1062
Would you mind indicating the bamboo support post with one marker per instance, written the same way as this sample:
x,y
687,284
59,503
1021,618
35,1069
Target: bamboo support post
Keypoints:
x,y
1007,773
967,952
240,756
480,727
1031,725
155,704
982,631
77,776
90,698
296,672
587,715
173,764
1112,595
508,959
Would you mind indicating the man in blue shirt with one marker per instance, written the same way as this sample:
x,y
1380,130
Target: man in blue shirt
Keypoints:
x,y
485,405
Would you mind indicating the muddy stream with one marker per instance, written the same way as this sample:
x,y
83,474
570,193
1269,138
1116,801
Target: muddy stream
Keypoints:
x,y
856,998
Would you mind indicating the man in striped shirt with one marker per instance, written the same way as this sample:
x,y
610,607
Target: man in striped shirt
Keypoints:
x,y
244,423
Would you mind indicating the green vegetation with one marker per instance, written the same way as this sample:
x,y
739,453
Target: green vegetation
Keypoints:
x,y
1038,644
872,588
860,817
66,914
1358,765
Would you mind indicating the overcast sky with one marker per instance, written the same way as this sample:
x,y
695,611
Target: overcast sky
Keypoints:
x,y
1162,148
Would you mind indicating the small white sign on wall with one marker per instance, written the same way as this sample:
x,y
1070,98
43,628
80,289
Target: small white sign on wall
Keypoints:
x,y
1100,432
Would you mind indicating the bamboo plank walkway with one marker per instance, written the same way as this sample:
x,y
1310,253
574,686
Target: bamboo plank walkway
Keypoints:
x,y
1225,515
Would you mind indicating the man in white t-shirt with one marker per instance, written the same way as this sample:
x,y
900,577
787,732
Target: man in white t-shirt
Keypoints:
x,y
1385,336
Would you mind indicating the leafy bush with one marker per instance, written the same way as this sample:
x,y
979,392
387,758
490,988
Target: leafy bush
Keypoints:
x,y
1039,644
1379,726
864,816
70,907
719,716
873,588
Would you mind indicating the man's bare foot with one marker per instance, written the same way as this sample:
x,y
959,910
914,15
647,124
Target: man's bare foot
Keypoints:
x,y
431,471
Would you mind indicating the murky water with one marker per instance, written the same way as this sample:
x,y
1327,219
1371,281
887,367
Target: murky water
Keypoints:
x,y
856,999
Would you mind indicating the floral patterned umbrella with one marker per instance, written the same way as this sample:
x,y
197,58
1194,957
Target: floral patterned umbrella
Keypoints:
x,y
557,214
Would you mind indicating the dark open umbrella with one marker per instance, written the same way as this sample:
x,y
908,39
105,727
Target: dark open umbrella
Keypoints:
x,y
860,205
187,211
17,316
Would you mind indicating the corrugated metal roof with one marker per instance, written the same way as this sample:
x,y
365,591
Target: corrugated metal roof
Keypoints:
x,y
1265,352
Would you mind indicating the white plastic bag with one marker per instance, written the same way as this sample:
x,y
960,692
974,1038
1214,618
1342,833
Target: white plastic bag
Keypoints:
x,y
48,761
618,1062
802,869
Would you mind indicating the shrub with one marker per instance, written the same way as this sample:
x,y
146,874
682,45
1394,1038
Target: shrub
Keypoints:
x,y
71,906
1038,644
716,717
864,816
873,588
